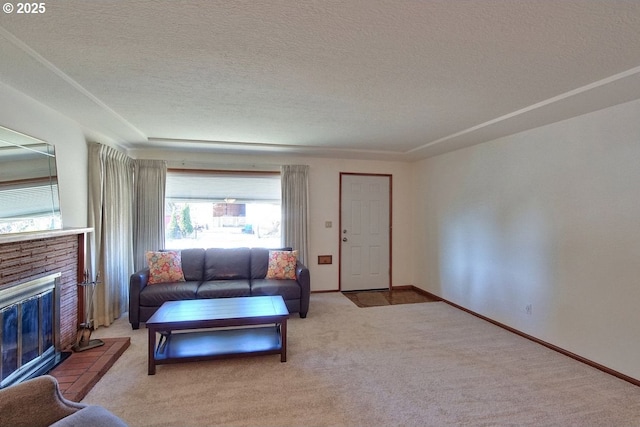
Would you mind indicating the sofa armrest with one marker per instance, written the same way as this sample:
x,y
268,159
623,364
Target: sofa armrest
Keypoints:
x,y
304,280
137,283
35,402
92,415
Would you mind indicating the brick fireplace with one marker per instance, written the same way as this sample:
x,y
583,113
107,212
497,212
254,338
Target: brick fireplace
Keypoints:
x,y
28,256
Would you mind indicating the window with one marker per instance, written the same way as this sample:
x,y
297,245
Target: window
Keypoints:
x,y
217,209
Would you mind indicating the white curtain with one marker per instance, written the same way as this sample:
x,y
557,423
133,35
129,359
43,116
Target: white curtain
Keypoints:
x,y
150,179
295,205
110,248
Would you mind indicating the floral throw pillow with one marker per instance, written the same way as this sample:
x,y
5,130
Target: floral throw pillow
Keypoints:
x,y
282,265
165,267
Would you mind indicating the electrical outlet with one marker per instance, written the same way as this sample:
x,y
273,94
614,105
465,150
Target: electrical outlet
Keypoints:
x,y
528,309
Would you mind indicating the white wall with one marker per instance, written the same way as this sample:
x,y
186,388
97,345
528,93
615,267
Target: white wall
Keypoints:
x,y
549,217
21,113
324,183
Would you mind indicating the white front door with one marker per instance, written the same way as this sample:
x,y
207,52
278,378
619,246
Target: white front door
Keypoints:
x,y
365,230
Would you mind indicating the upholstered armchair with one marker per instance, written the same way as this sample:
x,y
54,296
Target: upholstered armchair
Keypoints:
x,y
38,402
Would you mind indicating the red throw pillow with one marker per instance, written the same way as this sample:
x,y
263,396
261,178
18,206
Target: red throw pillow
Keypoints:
x,y
165,267
282,265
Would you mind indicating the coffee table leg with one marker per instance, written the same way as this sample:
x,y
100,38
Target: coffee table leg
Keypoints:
x,y
152,349
283,337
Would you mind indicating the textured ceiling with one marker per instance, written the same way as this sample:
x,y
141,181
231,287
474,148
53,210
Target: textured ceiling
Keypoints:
x,y
358,78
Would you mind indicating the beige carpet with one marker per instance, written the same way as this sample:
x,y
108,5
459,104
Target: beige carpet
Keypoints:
x,y
412,365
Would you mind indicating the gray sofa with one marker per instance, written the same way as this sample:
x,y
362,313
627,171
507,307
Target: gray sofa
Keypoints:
x,y
38,403
218,273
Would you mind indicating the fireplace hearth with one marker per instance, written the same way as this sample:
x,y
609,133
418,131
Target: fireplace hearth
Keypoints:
x,y
29,329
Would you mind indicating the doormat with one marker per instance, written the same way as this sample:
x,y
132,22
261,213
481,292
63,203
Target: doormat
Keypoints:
x,y
378,298
82,370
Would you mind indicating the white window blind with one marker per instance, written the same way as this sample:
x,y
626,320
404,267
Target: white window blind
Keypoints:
x,y
218,186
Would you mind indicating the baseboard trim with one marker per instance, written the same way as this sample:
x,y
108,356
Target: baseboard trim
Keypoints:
x,y
560,350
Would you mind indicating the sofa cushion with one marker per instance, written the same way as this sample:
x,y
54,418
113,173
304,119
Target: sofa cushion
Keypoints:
x,y
193,264
282,265
164,267
288,289
227,263
224,288
154,296
260,261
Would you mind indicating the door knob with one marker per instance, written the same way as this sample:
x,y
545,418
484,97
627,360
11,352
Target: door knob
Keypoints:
x,y
344,239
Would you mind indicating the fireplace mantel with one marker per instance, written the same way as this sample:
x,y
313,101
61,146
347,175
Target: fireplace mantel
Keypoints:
x,y
34,235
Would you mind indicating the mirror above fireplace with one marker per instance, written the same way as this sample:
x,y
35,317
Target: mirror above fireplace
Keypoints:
x,y
29,198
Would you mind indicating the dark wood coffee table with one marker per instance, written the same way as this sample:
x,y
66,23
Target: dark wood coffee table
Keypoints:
x,y
217,328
